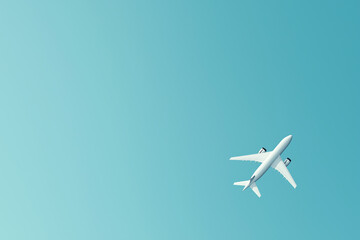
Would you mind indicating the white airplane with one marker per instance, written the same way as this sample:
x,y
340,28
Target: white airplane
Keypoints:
x,y
267,160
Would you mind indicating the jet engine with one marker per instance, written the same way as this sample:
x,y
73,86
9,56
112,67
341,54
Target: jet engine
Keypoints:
x,y
287,161
262,150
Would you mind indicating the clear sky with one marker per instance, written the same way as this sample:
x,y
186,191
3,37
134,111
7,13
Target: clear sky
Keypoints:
x,y
118,118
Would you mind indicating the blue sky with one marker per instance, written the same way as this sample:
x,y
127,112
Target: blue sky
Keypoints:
x,y
118,118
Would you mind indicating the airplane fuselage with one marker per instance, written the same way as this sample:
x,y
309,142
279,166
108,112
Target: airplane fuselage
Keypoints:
x,y
279,149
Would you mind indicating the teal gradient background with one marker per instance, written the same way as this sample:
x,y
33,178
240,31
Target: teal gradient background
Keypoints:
x,y
118,118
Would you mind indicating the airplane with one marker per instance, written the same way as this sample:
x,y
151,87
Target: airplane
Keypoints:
x,y
267,160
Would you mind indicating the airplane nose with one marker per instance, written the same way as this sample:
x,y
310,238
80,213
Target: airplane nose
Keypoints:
x,y
290,136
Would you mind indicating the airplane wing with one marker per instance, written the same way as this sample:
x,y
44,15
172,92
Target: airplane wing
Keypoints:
x,y
259,157
281,168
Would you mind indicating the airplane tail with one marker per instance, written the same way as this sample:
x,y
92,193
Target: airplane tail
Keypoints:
x,y
252,186
243,183
255,189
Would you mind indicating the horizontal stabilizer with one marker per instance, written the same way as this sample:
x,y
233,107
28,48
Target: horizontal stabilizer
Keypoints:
x,y
243,183
255,189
